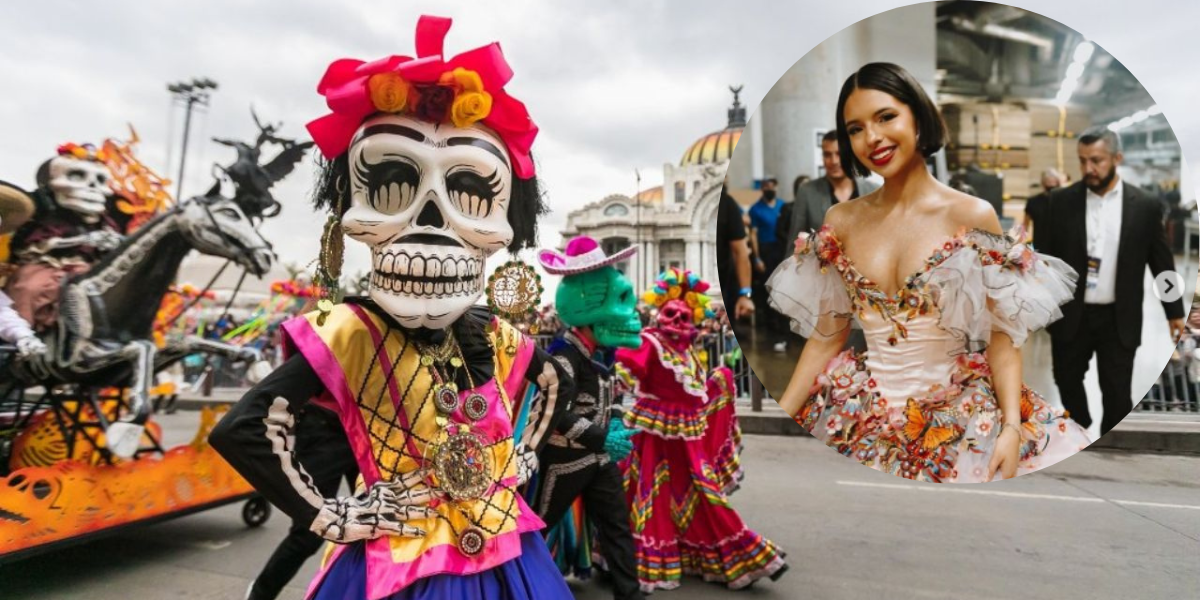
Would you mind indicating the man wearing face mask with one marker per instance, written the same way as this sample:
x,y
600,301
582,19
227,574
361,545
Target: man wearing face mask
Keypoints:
x,y
764,217
598,305
443,405
1109,232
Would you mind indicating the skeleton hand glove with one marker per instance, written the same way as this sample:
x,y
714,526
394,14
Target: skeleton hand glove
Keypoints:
x,y
30,345
618,444
527,463
384,509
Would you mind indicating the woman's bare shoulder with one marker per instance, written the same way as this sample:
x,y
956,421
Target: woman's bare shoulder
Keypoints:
x,y
971,212
844,214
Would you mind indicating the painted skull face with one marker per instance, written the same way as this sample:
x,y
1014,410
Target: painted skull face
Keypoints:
x,y
602,299
80,186
431,200
675,319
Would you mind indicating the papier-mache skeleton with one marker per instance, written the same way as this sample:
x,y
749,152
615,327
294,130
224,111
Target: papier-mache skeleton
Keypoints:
x,y
92,294
427,161
599,306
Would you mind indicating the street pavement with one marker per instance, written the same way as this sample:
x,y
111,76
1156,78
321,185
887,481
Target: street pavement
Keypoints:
x,y
1102,524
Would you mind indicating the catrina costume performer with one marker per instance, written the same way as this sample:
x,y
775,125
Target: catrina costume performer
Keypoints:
x,y
443,405
70,232
598,305
679,476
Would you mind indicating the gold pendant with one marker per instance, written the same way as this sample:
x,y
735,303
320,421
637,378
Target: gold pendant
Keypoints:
x,y
446,399
456,362
461,465
471,541
476,407
426,360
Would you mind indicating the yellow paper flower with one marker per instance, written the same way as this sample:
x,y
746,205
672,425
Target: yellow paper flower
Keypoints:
x,y
389,92
674,292
698,314
470,107
462,80
650,298
690,298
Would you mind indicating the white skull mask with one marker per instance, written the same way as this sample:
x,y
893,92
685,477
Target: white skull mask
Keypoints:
x,y
80,186
431,200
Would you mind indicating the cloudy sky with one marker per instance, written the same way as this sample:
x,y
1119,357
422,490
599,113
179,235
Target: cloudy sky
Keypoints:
x,y
614,86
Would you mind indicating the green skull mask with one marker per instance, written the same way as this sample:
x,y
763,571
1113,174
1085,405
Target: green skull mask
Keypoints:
x,y
604,300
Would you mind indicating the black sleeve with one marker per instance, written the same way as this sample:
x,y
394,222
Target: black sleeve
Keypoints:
x,y
574,426
256,438
556,395
1160,258
733,227
784,222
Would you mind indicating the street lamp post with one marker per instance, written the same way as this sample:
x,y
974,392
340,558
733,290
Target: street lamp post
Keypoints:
x,y
192,94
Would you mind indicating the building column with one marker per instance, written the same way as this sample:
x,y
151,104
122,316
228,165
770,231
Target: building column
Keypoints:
x,y
804,101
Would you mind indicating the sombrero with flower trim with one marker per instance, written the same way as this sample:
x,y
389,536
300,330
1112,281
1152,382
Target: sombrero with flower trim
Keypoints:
x,y
582,254
16,207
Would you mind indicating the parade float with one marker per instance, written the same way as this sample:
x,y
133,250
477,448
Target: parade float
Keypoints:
x,y
80,452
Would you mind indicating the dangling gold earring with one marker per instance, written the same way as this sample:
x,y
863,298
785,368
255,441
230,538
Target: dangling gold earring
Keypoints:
x,y
329,261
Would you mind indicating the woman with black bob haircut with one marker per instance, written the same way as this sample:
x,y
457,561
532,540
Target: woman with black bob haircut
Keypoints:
x,y
931,279
900,84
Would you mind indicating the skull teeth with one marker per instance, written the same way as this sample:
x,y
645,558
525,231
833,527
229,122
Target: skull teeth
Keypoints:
x,y
400,272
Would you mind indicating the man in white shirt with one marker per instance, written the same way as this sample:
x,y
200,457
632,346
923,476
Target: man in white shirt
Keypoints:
x,y
1109,232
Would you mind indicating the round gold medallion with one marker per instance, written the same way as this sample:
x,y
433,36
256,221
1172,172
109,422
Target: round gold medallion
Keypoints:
x,y
476,407
460,464
446,399
471,541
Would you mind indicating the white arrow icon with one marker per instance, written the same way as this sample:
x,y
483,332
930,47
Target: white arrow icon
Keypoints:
x,y
1168,286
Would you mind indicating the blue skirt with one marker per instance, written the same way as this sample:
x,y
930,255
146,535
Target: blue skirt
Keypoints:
x,y
529,576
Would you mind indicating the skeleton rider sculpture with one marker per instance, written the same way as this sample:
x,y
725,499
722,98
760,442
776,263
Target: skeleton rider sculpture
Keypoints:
x,y
70,232
598,305
428,164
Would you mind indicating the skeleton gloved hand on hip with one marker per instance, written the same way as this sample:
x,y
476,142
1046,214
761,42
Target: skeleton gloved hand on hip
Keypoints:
x,y
384,509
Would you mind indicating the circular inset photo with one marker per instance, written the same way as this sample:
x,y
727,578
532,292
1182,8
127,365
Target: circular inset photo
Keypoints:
x,y
970,233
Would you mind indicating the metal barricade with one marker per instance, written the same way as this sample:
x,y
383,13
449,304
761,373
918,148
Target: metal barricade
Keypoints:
x,y
1178,387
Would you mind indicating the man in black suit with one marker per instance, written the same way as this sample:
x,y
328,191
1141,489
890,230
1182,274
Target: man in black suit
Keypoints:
x,y
1109,232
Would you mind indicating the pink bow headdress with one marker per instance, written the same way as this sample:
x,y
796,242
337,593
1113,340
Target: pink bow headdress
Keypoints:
x,y
464,89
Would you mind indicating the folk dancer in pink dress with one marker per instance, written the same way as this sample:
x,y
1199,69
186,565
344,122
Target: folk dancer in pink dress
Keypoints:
x,y
683,465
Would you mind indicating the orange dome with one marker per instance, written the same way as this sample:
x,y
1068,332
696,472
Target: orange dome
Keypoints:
x,y
651,196
715,147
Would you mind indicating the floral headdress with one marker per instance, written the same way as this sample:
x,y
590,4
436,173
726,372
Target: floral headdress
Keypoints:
x,y
83,152
684,285
462,90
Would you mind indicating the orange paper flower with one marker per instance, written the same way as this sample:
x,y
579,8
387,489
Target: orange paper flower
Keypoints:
x,y
389,92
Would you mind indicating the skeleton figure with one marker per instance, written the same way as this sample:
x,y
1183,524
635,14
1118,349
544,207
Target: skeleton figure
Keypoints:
x,y
426,162
432,203
70,232
79,185
597,302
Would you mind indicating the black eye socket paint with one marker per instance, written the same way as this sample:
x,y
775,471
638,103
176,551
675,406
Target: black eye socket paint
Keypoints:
x,y
376,178
474,194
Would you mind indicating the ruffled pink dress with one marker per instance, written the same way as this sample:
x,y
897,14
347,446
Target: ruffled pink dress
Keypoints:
x,y
920,402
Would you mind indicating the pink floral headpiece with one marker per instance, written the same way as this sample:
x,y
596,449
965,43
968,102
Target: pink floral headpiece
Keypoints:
x,y
464,89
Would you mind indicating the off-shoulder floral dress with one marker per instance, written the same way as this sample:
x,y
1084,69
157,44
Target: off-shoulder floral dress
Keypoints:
x,y
920,402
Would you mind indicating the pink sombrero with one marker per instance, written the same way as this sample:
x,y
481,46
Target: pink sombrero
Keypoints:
x,y
583,254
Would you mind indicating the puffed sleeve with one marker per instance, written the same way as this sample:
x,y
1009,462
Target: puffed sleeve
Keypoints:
x,y
807,287
1002,285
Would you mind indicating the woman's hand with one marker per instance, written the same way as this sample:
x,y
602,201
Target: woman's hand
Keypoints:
x,y
1006,453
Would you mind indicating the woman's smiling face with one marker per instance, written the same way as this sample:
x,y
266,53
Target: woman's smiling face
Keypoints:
x,y
882,131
